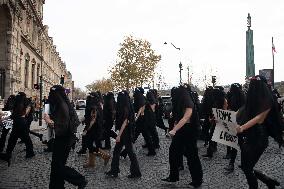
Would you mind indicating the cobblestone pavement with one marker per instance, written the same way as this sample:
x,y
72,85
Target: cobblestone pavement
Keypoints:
x,y
34,173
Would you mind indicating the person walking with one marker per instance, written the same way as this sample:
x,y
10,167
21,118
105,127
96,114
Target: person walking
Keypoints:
x,y
61,117
124,123
253,126
184,139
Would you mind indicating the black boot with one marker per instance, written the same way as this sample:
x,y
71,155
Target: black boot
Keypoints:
x,y
270,183
6,157
82,152
230,168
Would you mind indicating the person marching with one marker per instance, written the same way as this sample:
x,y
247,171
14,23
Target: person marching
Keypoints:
x,y
253,119
62,118
124,123
109,116
9,106
236,100
95,131
20,128
184,139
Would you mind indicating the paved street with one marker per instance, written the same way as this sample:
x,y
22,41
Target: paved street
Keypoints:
x,y
34,173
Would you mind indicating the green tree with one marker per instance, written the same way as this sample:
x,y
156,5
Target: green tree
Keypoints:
x,y
135,66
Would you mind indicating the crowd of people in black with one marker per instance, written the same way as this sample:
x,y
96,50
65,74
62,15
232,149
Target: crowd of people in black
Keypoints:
x,y
258,117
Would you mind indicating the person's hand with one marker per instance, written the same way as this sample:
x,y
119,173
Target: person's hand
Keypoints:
x,y
240,129
117,140
172,133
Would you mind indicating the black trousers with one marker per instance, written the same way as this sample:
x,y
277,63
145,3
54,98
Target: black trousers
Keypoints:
x,y
59,171
184,143
3,138
146,133
23,134
250,154
212,145
90,138
125,141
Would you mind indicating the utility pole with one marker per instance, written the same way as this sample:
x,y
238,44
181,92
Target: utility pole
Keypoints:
x,y
273,50
188,82
40,98
180,69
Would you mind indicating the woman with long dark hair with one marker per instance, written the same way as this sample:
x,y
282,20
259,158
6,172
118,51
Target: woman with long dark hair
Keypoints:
x,y
252,118
124,124
94,133
60,119
184,141
109,116
236,100
9,106
20,128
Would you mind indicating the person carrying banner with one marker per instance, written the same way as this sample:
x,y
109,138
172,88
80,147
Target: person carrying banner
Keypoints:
x,y
184,139
236,99
220,102
253,137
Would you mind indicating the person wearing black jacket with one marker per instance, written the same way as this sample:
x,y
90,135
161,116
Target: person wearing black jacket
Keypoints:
x,y
20,128
59,119
9,106
124,124
184,138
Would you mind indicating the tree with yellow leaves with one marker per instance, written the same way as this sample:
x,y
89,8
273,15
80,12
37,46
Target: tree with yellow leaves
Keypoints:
x,y
103,85
135,64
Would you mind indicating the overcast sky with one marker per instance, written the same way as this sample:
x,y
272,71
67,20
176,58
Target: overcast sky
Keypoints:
x,y
210,33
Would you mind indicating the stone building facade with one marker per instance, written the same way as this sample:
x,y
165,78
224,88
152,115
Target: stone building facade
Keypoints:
x,y
26,50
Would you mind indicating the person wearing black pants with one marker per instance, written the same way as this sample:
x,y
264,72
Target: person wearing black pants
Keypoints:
x,y
253,123
184,139
20,129
109,116
9,105
59,119
124,123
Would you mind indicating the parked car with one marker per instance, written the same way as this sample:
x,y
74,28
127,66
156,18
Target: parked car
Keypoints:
x,y
80,104
167,101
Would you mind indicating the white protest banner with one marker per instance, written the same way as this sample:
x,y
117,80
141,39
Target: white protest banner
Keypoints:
x,y
225,131
6,121
281,102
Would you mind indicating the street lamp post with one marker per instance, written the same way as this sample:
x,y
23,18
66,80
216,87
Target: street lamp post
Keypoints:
x,y
180,64
180,69
40,97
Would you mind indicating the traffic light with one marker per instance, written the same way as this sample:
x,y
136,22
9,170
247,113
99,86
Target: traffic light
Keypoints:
x,y
213,80
36,86
62,79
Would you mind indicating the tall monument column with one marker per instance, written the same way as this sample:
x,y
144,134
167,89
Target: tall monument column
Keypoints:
x,y
250,67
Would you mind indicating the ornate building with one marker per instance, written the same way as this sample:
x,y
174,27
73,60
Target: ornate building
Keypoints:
x,y
26,50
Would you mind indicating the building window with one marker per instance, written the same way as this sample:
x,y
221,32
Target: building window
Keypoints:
x,y
33,72
27,62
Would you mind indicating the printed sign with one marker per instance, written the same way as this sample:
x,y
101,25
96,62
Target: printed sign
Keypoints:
x,y
225,131
281,102
6,121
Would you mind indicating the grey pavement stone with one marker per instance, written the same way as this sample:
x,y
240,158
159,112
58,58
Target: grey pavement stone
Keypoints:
x,y
34,173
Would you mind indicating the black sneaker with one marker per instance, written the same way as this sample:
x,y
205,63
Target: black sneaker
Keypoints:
x,y
169,179
134,176
30,155
111,174
207,156
195,184
83,185
81,152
